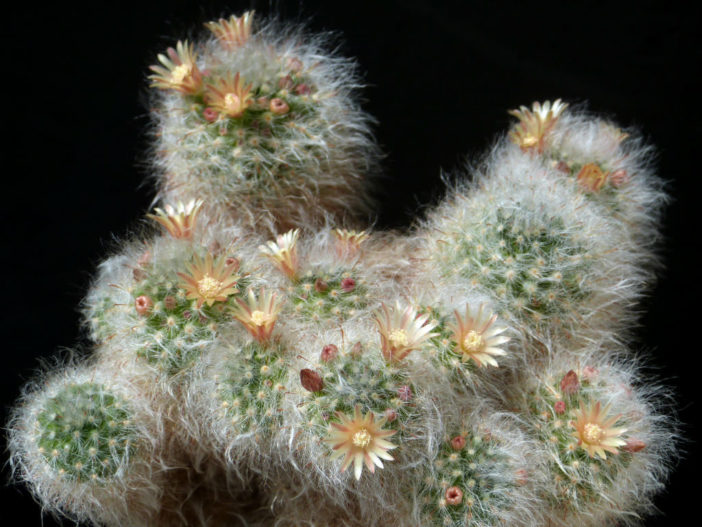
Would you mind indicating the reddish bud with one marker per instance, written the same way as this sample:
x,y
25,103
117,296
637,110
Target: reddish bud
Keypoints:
x,y
356,349
563,167
169,302
143,304
329,352
285,83
589,373
559,407
454,496
302,89
279,106
138,274
634,445
320,285
404,393
187,315
294,64
311,380
262,102
390,415
570,383
458,442
210,114
619,177
348,285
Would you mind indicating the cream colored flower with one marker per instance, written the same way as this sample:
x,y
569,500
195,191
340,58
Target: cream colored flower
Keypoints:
x,y
360,439
534,125
476,338
402,330
349,242
210,281
283,253
595,432
179,71
229,96
178,221
258,314
232,33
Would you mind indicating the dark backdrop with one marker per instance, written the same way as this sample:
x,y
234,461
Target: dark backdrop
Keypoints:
x,y
441,76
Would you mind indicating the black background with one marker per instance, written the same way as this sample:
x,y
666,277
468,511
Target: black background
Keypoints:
x,y
441,76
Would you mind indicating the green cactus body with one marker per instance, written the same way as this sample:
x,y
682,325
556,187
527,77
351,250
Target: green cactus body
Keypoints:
x,y
529,265
251,385
579,477
468,483
170,328
361,379
85,433
336,294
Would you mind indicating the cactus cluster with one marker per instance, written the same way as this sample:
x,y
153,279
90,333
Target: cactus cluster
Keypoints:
x,y
263,358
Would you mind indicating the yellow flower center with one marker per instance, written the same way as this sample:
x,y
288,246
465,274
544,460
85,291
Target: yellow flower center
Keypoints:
x,y
232,102
361,438
209,287
529,140
259,318
592,433
473,342
398,338
179,73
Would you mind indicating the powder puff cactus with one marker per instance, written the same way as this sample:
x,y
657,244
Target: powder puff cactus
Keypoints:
x,y
258,358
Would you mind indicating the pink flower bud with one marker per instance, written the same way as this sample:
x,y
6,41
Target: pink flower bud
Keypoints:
x,y
210,114
458,442
570,383
279,106
563,167
348,285
454,496
634,445
143,304
285,83
404,393
619,177
311,380
232,262
302,89
390,415
559,407
294,64
169,302
329,352
589,373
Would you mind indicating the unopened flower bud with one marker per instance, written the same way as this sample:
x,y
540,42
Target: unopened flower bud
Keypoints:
x,y
453,496
143,304
404,393
390,415
210,114
311,380
169,302
348,285
589,373
329,352
634,445
559,407
320,285
458,442
285,83
302,89
279,106
570,383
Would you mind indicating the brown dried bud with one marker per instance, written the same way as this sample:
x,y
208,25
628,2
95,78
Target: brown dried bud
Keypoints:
x,y
143,304
454,496
311,380
329,352
570,383
458,442
320,285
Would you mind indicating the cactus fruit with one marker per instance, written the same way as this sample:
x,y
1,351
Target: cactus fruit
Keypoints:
x,y
258,362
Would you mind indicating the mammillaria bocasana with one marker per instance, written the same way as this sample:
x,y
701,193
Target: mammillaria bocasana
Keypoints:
x,y
264,340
